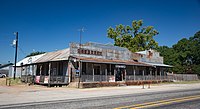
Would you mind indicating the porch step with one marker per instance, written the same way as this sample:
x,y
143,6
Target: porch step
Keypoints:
x,y
73,85
122,84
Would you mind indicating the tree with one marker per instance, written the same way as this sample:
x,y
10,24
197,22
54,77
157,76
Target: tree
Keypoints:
x,y
134,37
35,53
184,56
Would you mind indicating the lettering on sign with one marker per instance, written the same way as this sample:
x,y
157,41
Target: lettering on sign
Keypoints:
x,y
89,52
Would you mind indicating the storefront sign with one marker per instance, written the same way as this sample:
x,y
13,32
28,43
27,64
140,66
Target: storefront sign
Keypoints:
x,y
46,79
120,66
89,52
37,79
112,79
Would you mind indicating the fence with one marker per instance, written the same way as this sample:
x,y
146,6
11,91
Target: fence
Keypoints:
x,y
183,77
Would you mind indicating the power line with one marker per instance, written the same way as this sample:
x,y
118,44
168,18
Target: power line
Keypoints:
x,y
22,50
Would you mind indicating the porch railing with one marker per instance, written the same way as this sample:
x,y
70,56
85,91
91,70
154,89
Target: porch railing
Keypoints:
x,y
101,78
96,78
27,78
59,79
146,77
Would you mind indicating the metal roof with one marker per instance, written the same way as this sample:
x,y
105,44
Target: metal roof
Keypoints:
x,y
142,52
29,60
54,56
100,60
5,65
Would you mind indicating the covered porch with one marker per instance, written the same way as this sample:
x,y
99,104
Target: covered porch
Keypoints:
x,y
104,70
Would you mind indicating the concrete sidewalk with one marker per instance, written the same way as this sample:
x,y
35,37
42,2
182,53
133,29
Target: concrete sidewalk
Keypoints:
x,y
29,94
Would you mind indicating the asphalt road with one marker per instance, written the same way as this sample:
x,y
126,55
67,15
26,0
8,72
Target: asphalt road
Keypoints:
x,y
121,101
193,104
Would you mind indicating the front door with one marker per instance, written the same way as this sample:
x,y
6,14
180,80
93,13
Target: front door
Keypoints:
x,y
120,74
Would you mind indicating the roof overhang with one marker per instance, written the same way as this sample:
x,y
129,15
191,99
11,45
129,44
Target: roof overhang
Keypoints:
x,y
109,61
158,65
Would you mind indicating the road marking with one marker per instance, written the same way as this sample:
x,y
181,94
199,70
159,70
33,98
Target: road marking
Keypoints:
x,y
161,102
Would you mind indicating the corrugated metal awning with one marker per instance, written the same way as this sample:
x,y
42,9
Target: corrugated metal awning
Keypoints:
x,y
158,65
109,61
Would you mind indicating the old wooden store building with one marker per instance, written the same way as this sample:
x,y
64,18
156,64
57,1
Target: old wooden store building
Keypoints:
x,y
94,63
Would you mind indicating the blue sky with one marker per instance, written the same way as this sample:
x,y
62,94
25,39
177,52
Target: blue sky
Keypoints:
x,y
48,25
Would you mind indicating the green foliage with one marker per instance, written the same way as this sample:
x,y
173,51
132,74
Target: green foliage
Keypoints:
x,y
134,37
35,53
184,56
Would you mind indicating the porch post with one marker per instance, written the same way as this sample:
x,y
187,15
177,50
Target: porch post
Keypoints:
x,y
92,72
110,69
160,74
69,71
151,74
106,74
40,70
134,74
100,74
143,75
125,75
164,73
156,74
21,68
115,74
49,74
79,80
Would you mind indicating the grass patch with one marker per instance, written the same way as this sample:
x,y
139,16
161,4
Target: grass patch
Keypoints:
x,y
17,81
182,82
187,82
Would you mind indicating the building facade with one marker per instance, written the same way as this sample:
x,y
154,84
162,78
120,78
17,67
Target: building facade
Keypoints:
x,y
94,62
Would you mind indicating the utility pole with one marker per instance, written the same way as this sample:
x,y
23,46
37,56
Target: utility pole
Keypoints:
x,y
80,66
81,30
16,46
